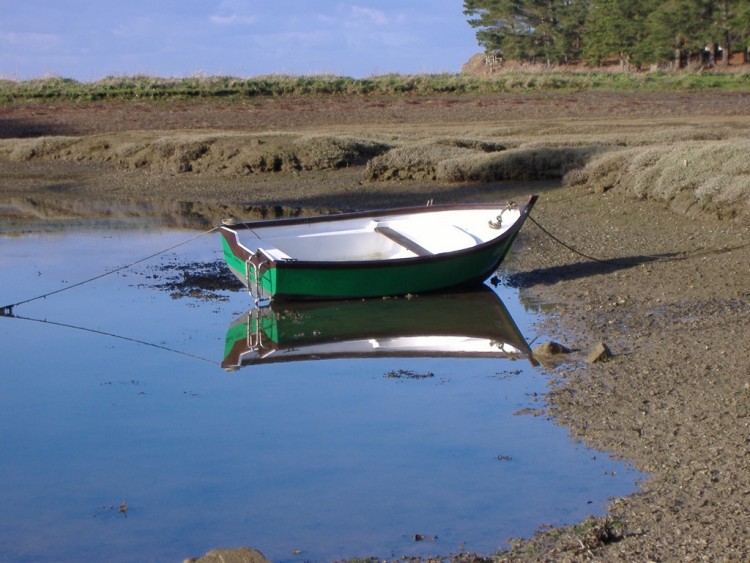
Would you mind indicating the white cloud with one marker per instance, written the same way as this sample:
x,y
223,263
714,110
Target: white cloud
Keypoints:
x,y
30,40
134,28
368,15
232,19
234,13
294,44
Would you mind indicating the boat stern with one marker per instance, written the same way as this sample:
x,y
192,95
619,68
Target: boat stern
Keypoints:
x,y
255,270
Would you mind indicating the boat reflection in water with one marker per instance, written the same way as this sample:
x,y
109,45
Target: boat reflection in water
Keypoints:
x,y
474,324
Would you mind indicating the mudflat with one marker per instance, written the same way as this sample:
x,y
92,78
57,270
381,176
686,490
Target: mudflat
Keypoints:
x,y
650,192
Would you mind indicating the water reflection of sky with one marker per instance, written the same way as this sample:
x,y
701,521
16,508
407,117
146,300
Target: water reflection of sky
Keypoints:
x,y
330,458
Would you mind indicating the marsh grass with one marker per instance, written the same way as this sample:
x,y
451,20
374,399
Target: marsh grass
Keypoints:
x,y
228,87
525,163
693,168
218,154
693,177
693,165
457,161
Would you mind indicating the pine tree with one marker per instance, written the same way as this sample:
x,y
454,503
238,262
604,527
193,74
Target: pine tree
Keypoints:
x,y
725,31
615,28
572,22
741,26
536,30
496,20
676,29
633,31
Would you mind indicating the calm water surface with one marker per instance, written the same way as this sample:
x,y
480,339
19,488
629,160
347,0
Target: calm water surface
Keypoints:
x,y
306,460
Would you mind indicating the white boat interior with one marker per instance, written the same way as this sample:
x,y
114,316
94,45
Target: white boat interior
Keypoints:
x,y
380,238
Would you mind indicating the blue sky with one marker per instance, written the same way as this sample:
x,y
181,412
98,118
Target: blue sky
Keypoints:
x,y
91,39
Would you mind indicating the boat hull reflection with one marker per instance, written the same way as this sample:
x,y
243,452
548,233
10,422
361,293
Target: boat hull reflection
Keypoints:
x,y
471,324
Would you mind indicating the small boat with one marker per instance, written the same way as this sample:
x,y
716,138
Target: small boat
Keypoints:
x,y
459,324
391,252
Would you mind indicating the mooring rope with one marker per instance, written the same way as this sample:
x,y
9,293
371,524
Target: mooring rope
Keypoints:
x,y
7,310
119,336
613,261
557,240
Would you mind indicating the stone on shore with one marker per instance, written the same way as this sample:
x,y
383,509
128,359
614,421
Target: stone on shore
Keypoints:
x,y
599,353
550,348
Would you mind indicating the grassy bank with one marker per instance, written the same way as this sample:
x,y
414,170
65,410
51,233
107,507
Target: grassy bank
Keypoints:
x,y
694,169
227,87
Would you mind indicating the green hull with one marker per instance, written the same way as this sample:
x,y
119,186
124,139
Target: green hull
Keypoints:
x,y
299,280
290,280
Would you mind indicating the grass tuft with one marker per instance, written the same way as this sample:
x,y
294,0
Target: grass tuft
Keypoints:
x,y
693,177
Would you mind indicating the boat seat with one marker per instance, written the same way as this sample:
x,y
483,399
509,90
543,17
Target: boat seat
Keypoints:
x,y
273,252
427,238
403,240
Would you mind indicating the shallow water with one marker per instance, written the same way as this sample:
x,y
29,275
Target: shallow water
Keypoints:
x,y
303,460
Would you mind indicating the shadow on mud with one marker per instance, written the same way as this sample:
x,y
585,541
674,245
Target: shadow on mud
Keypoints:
x,y
578,270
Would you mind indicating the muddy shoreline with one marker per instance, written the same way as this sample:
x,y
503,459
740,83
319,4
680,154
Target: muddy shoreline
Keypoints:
x,y
669,292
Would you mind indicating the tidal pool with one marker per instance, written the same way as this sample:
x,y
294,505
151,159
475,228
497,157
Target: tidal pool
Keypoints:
x,y
124,438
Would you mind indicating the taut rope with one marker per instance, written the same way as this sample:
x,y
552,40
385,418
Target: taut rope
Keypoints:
x,y
7,310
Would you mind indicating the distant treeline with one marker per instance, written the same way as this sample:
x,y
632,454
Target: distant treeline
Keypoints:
x,y
227,87
635,32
